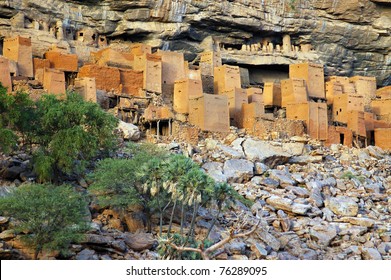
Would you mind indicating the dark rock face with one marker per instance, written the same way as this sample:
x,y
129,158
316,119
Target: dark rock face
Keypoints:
x,y
350,37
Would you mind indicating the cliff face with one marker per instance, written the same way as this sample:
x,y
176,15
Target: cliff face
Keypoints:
x,y
351,37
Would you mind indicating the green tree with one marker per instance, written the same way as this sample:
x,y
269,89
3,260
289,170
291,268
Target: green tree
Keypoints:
x,y
69,134
162,183
51,216
139,182
8,139
66,133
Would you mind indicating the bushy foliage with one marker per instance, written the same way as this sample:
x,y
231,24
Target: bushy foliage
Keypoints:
x,y
67,132
50,216
163,184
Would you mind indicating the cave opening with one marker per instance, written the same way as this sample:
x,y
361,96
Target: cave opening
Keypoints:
x,y
260,74
233,46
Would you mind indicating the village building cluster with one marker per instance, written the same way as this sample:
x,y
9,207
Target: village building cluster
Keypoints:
x,y
170,96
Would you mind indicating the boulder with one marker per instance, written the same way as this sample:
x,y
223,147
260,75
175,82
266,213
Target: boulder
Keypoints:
x,y
87,254
13,172
231,152
323,234
280,203
370,254
342,205
135,221
140,241
238,170
215,170
283,177
129,131
266,152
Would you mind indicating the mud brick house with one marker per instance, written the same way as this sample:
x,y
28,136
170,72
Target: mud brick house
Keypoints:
x,y
365,87
226,78
132,82
19,49
39,63
339,135
314,114
384,93
194,74
293,91
113,58
272,94
155,113
210,112
250,114
86,87
89,36
158,120
383,138
332,89
313,74
54,81
208,61
356,122
151,65
254,95
382,108
5,76
62,61
343,104
140,49
347,85
173,69
236,97
106,78
184,90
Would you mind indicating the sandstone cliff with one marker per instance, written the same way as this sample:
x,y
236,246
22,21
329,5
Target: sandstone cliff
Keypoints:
x,y
350,37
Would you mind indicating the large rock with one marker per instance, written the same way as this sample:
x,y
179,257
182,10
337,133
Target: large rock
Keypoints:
x,y
87,254
265,152
129,131
231,152
215,170
140,241
280,203
238,170
342,205
323,234
370,254
283,177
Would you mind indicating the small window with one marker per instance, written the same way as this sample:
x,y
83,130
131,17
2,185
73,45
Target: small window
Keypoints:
x,y
341,138
81,34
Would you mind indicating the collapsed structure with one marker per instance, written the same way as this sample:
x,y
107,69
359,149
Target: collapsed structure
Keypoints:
x,y
171,97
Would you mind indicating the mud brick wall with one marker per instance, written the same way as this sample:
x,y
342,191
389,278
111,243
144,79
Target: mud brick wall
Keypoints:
x,y
62,61
19,49
106,78
5,77
131,82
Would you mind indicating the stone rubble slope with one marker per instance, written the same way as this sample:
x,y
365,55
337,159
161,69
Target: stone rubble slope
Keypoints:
x,y
313,202
319,203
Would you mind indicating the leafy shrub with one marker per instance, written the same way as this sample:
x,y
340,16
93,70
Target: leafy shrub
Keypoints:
x,y
51,216
67,133
163,184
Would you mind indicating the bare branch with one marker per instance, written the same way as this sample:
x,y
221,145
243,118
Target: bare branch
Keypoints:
x,y
230,237
206,253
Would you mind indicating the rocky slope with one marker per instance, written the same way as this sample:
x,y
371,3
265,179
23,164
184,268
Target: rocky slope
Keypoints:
x,y
312,203
350,37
